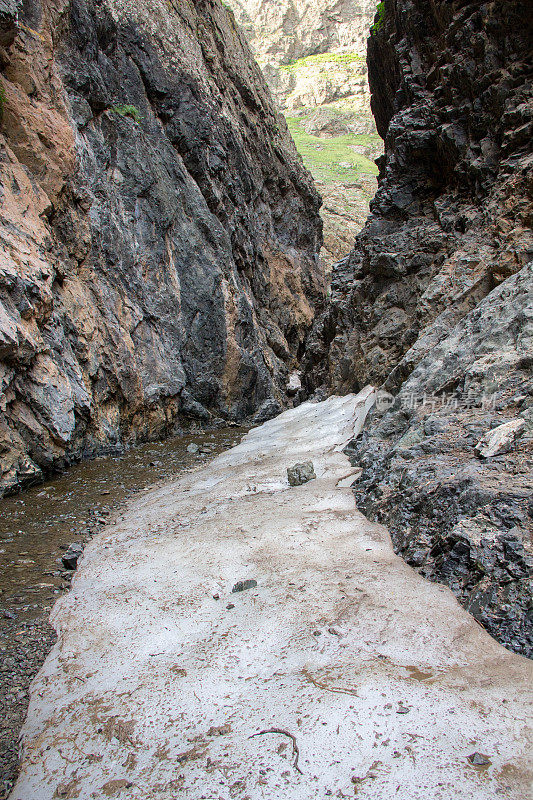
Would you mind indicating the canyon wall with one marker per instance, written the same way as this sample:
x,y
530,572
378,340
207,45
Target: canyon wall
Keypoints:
x,y
158,233
435,303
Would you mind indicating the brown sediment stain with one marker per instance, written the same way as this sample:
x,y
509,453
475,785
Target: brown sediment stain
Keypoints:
x,y
115,786
93,758
417,674
172,786
511,777
120,729
220,730
131,761
371,774
162,752
191,755
68,791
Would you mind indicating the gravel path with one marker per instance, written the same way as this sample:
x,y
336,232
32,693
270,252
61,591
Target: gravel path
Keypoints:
x,y
24,649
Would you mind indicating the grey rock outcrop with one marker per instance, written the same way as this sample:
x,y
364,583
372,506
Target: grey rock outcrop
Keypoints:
x,y
9,11
459,519
158,233
451,93
312,54
501,440
310,26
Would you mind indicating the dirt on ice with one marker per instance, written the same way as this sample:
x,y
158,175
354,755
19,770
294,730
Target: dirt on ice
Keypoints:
x,y
342,674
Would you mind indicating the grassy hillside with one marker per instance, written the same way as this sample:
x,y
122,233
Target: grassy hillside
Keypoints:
x,y
334,159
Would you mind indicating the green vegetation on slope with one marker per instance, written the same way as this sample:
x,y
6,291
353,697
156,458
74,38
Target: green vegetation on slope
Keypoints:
x,y
323,58
378,24
333,159
127,111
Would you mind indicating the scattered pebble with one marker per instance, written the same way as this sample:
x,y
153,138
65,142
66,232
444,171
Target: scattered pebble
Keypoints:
x,y
402,709
479,759
242,586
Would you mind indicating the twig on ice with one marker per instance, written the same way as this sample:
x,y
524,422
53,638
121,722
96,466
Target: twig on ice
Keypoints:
x,y
295,749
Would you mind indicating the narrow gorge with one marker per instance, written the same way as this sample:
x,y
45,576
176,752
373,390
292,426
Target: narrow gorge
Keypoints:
x,y
302,231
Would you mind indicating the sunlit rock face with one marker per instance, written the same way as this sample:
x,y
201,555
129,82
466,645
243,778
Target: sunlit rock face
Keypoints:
x,y
158,234
283,32
313,56
435,302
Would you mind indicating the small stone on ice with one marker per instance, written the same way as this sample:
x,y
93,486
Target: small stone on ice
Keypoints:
x,y
479,759
242,586
301,473
230,606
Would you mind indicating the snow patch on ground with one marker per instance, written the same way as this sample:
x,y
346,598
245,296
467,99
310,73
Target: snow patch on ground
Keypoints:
x,y
161,674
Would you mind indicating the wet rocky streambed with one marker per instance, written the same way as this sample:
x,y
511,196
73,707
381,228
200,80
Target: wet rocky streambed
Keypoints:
x,y
37,529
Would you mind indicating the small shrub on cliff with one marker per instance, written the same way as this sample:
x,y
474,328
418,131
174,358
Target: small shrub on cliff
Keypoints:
x,y
378,24
127,111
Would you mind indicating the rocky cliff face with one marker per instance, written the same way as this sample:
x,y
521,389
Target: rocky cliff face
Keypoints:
x,y
435,302
158,234
310,26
